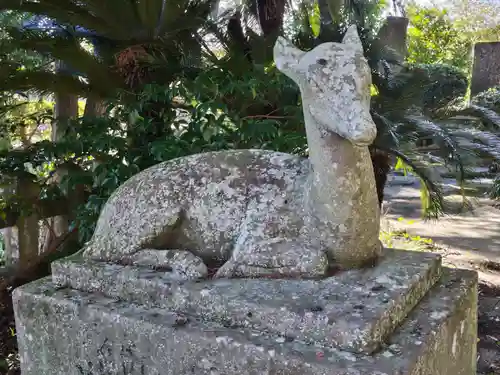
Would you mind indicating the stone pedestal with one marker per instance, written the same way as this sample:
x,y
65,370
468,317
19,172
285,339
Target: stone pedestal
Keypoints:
x,y
407,315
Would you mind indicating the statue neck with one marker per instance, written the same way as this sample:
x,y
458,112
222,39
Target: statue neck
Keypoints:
x,y
334,161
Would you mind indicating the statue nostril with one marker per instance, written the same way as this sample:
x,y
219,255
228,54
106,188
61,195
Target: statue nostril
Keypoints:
x,y
322,61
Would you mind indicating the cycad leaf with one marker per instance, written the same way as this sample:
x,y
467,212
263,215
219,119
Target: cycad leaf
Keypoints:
x,y
432,195
149,12
119,15
44,83
68,50
335,7
65,12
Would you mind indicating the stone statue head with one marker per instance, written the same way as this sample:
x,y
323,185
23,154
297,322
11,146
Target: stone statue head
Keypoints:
x,y
334,80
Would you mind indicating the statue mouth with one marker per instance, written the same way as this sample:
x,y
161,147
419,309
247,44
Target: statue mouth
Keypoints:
x,y
365,137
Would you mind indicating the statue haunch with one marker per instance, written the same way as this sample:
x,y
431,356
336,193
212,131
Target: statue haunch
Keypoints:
x,y
263,213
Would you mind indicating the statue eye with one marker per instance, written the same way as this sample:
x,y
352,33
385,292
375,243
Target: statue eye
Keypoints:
x,y
322,62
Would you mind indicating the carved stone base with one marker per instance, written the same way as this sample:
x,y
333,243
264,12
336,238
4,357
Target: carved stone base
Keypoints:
x,y
407,315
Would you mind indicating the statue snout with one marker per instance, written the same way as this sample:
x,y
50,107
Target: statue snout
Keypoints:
x,y
365,133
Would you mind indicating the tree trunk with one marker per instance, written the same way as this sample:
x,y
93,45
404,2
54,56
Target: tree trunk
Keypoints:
x,y
381,162
11,246
27,225
94,107
66,108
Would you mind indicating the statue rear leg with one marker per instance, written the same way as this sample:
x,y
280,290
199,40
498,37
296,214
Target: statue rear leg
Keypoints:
x,y
154,246
276,258
183,264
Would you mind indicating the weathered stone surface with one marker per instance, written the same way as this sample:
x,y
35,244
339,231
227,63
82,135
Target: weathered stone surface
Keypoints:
x,y
391,39
63,331
265,213
181,262
393,35
486,68
354,310
138,300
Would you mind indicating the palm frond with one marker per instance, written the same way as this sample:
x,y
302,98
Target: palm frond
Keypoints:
x,y
184,18
481,142
488,117
64,11
387,134
415,125
219,42
433,205
69,50
5,109
117,14
45,83
454,147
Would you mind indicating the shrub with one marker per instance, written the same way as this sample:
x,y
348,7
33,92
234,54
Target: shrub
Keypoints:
x,y
488,99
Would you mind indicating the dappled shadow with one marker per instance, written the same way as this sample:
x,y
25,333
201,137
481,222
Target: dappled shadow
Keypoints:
x,y
475,232
477,235
408,208
487,246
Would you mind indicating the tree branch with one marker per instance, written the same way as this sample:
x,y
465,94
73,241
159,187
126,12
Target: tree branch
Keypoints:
x,y
44,208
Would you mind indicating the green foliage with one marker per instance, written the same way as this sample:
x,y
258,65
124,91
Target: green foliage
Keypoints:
x,y
201,115
233,102
434,38
129,35
426,86
477,19
327,21
25,58
488,99
401,239
24,122
442,84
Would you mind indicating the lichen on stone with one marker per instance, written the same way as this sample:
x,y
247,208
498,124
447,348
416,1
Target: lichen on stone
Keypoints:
x,y
263,213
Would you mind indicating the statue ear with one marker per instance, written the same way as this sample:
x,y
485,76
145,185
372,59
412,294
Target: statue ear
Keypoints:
x,y
351,37
287,57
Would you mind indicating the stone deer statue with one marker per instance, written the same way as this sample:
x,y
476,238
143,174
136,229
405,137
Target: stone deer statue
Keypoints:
x,y
263,213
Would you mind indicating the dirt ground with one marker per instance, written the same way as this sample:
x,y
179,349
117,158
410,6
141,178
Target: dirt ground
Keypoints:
x,y
8,344
489,330
471,240
468,240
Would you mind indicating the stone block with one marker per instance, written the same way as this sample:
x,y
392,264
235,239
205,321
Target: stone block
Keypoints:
x,y
407,315
486,68
354,310
393,35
